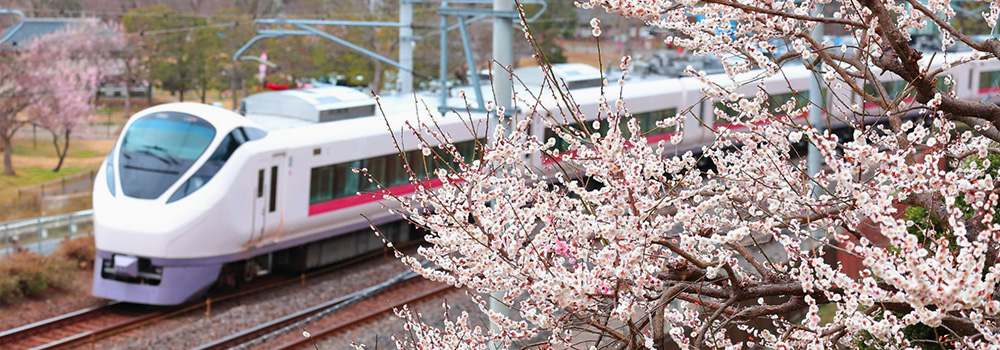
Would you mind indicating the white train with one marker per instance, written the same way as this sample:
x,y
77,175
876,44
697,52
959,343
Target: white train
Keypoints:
x,y
193,195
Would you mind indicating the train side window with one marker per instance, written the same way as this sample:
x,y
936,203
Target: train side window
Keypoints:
x,y
321,184
622,125
467,149
333,181
941,85
253,133
418,162
647,121
893,88
988,81
395,172
227,147
728,114
561,144
345,180
376,169
212,165
260,183
274,189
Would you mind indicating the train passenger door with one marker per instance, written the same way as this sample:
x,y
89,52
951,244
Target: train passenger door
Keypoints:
x,y
268,220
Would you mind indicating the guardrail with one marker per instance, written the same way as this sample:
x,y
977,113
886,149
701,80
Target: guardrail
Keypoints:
x,y
42,234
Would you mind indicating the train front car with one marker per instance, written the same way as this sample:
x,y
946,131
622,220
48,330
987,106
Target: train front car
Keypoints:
x,y
162,202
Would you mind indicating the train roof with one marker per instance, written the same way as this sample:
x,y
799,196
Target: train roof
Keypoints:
x,y
395,110
398,110
221,118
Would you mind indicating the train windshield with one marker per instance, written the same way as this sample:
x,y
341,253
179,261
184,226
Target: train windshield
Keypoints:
x,y
157,149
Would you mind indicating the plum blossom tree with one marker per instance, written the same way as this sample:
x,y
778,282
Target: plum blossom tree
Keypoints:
x,y
66,106
623,244
18,90
69,66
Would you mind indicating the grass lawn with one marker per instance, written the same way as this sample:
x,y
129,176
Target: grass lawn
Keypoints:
x,y
34,176
33,165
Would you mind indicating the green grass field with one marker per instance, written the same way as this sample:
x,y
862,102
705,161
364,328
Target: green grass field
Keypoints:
x,y
33,164
32,176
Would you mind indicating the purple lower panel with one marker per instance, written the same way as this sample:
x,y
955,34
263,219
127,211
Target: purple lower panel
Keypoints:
x,y
178,285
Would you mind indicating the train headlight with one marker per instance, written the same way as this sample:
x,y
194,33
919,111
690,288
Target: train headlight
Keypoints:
x,y
109,172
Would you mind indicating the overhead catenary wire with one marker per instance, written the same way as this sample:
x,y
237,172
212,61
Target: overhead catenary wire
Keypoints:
x,y
187,29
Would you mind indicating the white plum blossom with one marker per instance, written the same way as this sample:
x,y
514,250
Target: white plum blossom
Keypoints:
x,y
628,240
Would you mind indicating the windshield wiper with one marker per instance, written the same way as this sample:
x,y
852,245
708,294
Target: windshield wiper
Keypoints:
x,y
154,155
169,158
171,172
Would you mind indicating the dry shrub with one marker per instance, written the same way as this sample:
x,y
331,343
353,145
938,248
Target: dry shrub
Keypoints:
x,y
28,274
80,251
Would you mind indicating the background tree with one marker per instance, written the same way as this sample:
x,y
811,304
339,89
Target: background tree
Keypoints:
x,y
71,64
623,244
17,92
207,58
172,46
238,75
55,8
559,21
133,72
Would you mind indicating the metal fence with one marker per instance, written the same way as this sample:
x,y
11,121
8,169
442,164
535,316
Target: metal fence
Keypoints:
x,y
73,183
43,234
57,196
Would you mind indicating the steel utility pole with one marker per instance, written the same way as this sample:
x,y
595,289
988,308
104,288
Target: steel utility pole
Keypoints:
x,y
405,81
232,85
814,160
503,56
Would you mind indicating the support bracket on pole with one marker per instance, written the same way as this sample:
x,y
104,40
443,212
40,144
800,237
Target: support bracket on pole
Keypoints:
x,y
465,16
13,29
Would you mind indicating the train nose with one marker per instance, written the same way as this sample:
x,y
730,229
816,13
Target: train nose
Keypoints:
x,y
142,229
152,281
134,261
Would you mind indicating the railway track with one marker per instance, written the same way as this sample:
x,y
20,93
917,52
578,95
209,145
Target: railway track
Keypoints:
x,y
87,326
76,327
345,312
364,314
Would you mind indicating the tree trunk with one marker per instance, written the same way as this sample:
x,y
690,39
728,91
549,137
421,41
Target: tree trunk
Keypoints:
x,y
8,149
61,153
128,100
149,94
659,337
182,95
128,89
245,90
377,80
204,91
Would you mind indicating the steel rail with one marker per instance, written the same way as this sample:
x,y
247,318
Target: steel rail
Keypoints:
x,y
77,319
370,314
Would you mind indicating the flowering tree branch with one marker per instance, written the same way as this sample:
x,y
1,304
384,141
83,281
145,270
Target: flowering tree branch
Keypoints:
x,y
619,242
